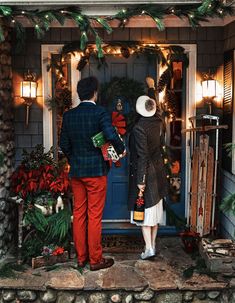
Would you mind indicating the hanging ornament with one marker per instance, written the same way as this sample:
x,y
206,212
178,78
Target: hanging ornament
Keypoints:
x,y
125,51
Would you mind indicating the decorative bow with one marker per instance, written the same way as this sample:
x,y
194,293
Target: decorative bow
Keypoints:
x,y
118,121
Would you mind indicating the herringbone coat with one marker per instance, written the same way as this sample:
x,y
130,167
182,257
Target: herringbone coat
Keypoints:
x,y
146,163
79,125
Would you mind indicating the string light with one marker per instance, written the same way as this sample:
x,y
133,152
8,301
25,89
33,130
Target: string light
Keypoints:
x,y
23,12
37,26
172,11
143,12
124,10
47,16
209,5
221,11
62,11
124,20
191,16
13,21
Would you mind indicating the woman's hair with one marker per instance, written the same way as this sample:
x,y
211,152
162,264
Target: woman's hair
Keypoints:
x,y
149,105
87,87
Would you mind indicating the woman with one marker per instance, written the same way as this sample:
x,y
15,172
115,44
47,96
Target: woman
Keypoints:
x,y
147,171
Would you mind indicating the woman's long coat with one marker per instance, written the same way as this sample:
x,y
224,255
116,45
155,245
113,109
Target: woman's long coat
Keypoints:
x,y
146,163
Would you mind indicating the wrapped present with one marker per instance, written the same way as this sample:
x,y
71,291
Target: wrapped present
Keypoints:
x,y
98,139
108,151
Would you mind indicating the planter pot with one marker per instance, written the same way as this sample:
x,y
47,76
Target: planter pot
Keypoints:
x,y
190,240
49,260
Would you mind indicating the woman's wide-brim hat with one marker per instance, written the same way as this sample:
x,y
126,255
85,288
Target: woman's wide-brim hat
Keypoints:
x,y
146,106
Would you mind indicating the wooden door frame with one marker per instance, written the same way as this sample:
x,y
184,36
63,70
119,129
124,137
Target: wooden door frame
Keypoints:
x,y
48,49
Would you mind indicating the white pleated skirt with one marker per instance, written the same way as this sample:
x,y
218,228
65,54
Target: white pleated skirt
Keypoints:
x,y
152,216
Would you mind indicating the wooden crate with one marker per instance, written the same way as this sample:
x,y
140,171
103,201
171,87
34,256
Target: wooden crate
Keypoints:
x,y
49,260
217,263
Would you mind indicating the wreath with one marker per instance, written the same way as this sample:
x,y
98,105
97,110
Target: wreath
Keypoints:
x,y
127,90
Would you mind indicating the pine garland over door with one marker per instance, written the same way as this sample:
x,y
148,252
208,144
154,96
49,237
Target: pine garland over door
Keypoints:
x,y
42,20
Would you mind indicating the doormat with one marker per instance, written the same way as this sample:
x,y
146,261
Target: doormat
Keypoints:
x,y
122,244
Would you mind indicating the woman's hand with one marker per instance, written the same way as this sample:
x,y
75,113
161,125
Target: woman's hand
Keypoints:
x,y
141,187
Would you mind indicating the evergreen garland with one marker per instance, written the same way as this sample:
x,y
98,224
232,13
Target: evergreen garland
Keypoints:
x,y
41,20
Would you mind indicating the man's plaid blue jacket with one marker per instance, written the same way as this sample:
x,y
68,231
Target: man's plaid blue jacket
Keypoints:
x,y
79,125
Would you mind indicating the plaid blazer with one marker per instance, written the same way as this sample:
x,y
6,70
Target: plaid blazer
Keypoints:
x,y
79,125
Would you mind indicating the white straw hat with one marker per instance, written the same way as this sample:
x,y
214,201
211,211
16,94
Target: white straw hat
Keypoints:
x,y
146,106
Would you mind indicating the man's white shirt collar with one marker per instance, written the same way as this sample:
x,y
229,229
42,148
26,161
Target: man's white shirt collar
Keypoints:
x,y
90,101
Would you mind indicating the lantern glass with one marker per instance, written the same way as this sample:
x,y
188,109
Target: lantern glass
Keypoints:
x,y
33,89
28,89
209,88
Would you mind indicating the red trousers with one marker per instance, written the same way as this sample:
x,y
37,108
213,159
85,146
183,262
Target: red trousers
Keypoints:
x,y
89,200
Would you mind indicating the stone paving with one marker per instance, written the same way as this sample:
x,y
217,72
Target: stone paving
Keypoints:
x,y
163,274
165,271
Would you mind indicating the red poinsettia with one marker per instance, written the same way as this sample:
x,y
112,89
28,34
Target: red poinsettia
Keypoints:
x,y
45,178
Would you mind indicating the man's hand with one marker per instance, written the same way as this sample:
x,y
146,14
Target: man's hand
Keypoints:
x,y
150,82
123,154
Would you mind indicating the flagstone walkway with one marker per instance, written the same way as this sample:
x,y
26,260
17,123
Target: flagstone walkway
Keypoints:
x,y
129,275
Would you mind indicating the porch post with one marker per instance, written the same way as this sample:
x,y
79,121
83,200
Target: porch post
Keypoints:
x,y
7,212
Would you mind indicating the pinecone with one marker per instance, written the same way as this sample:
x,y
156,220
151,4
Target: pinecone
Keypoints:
x,y
125,52
66,98
83,62
170,99
164,80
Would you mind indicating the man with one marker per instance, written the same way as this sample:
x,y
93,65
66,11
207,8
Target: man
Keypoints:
x,y
88,171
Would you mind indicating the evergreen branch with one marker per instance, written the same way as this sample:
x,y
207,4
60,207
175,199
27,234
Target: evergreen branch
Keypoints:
x,y
83,40
59,225
98,43
58,16
228,204
229,147
2,38
34,216
21,36
5,10
104,24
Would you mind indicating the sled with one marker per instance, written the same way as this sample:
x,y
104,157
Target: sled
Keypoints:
x,y
202,187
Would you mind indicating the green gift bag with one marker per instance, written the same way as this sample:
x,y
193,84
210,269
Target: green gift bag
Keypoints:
x,y
98,139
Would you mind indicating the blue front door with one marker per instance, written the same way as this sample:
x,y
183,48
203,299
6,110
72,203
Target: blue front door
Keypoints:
x,y
132,68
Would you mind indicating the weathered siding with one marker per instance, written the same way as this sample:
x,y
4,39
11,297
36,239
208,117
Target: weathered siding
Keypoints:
x,y
228,180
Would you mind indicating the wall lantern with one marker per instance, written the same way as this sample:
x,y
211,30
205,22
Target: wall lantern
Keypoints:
x,y
208,90
28,92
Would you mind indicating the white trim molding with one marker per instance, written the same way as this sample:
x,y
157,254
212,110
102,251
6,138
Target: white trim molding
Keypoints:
x,y
47,50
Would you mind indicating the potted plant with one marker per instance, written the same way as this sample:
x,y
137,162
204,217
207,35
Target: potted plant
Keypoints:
x,y
190,240
41,183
